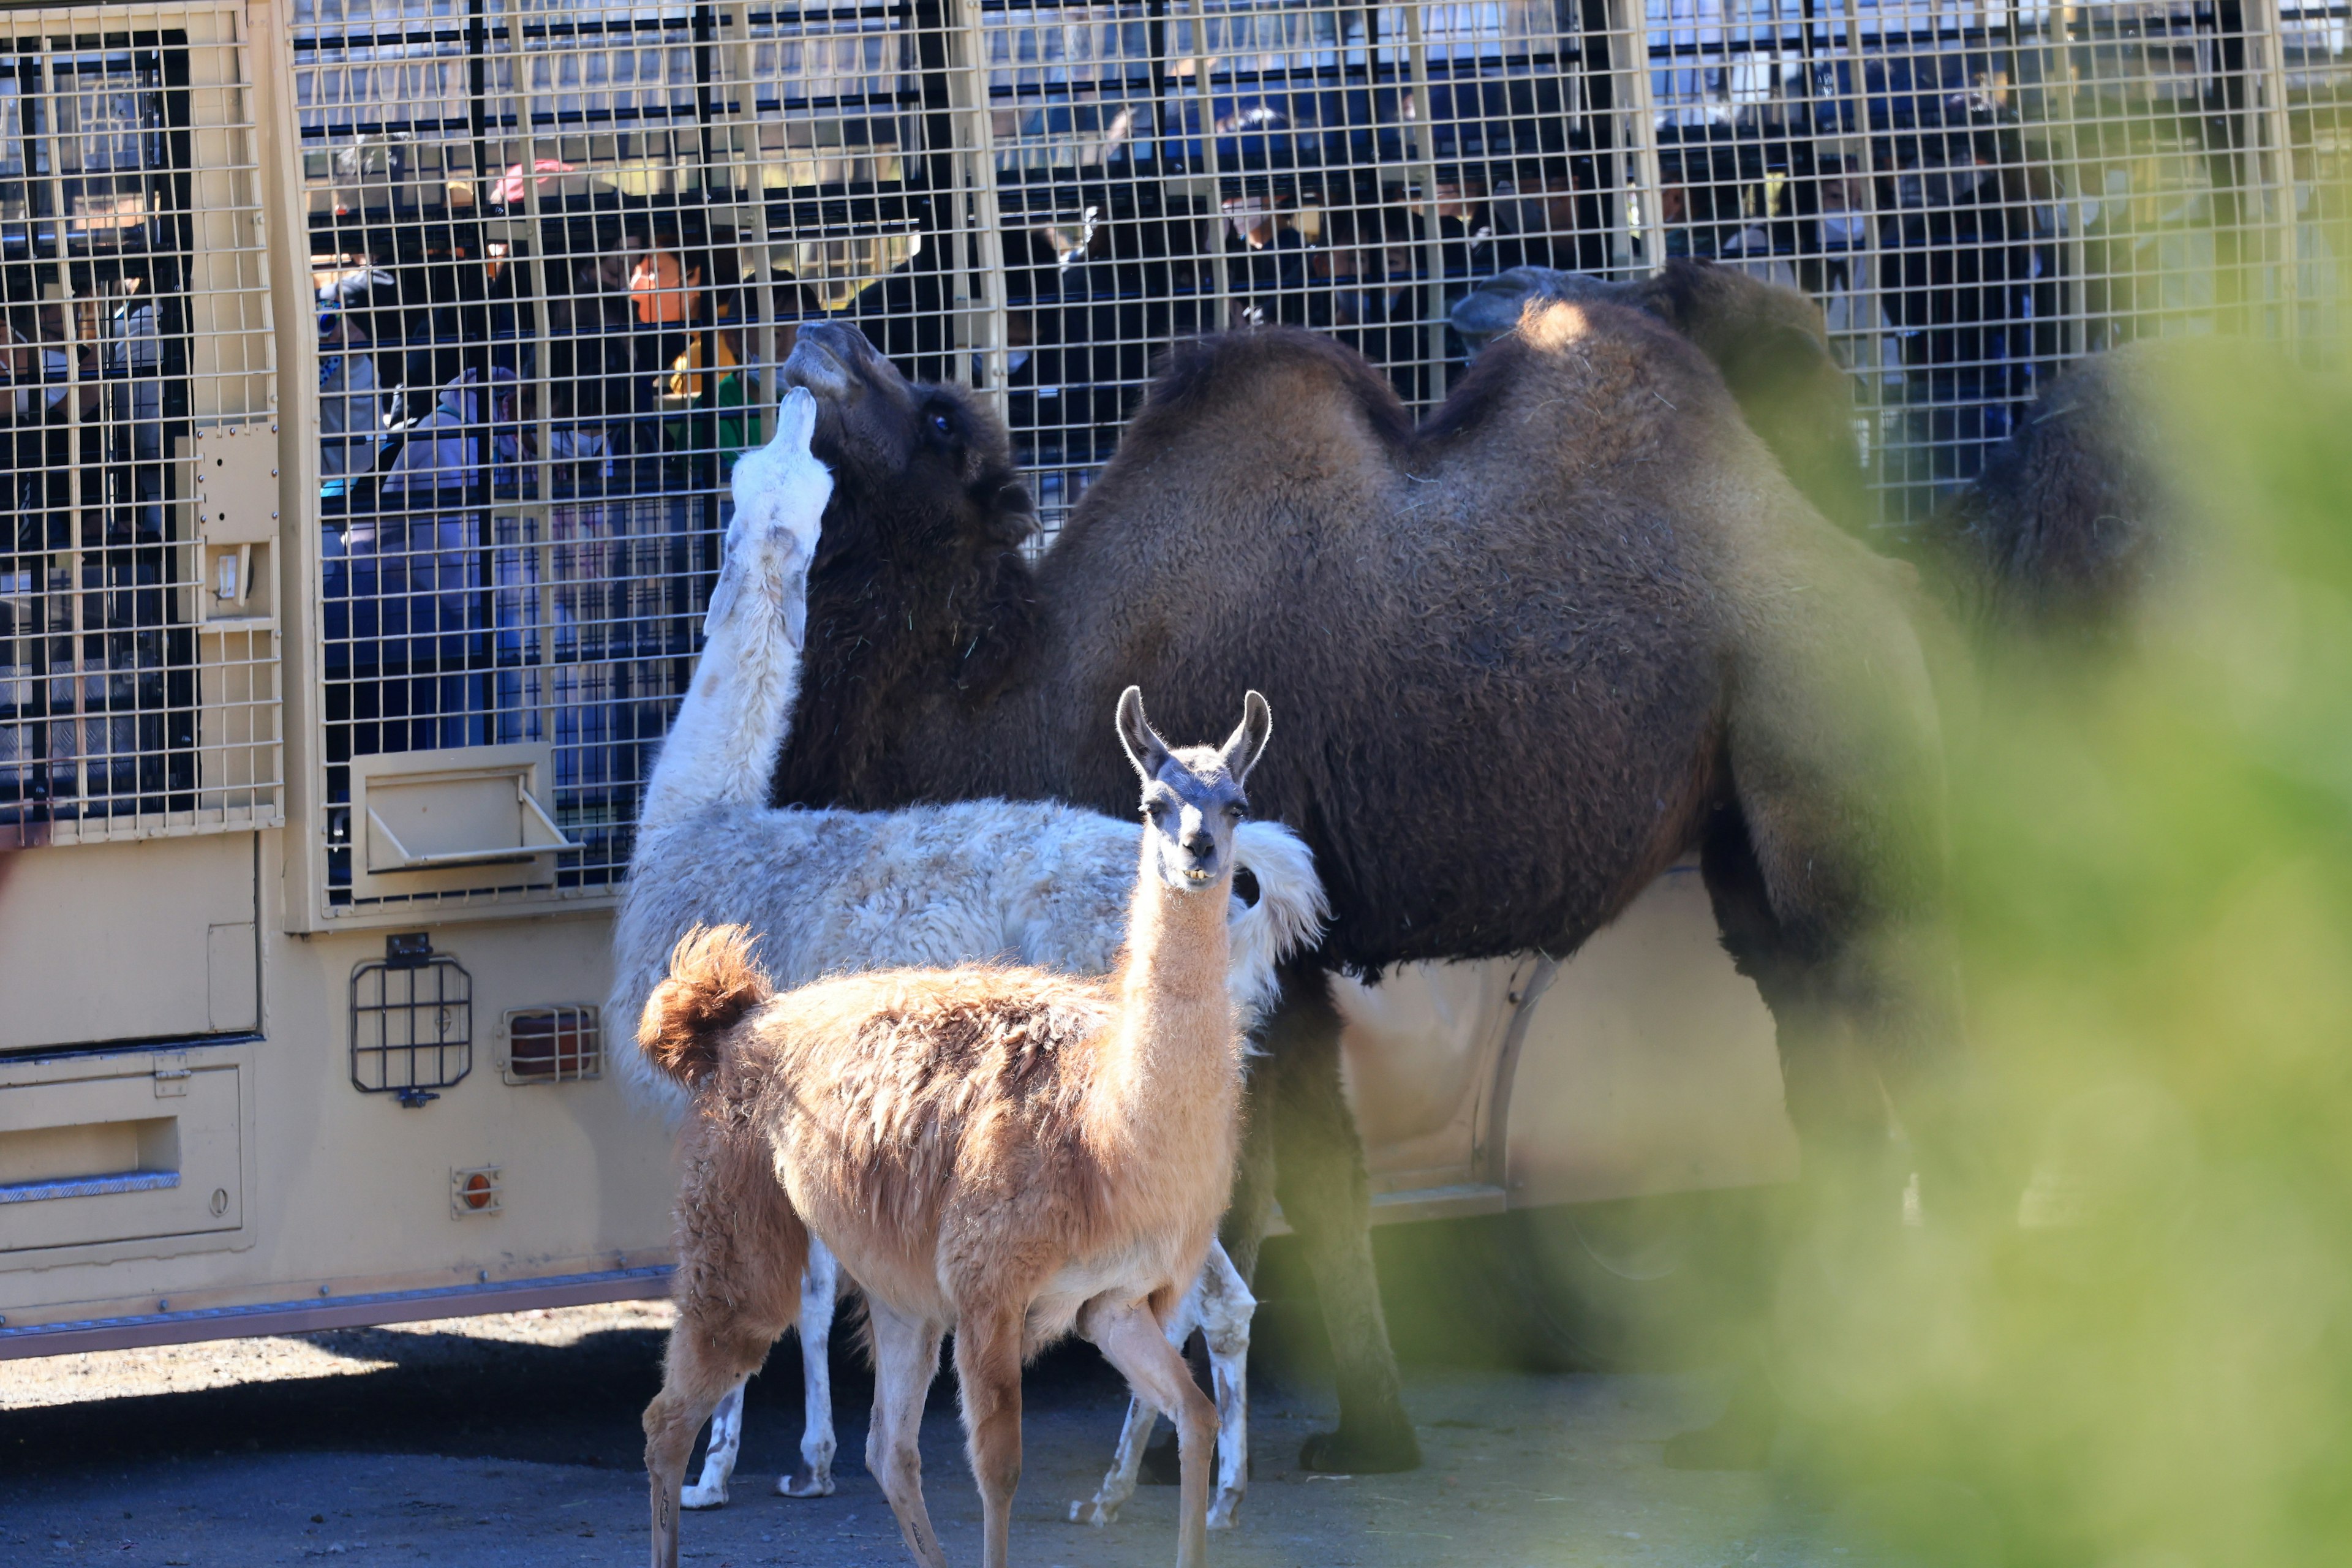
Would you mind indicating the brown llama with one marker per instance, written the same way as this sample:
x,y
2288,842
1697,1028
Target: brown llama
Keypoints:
x,y
1008,1152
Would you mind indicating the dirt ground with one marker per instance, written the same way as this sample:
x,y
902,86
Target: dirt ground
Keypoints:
x,y
513,1440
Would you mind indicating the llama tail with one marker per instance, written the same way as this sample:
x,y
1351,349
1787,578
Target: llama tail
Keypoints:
x,y
712,982
1286,920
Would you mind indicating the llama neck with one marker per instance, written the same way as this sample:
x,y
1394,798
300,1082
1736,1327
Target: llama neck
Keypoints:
x,y
1176,1060
737,715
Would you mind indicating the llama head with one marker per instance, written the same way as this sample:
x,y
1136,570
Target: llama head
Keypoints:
x,y
1192,797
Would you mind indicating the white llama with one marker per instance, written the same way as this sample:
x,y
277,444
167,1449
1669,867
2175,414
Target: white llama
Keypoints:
x,y
832,892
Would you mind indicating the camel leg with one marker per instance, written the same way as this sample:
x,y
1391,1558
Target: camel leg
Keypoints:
x,y
1131,1340
820,1294
988,1371
719,1459
1826,878
1225,1305
1320,1180
906,1359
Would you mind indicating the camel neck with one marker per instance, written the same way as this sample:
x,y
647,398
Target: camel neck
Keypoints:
x,y
1177,1054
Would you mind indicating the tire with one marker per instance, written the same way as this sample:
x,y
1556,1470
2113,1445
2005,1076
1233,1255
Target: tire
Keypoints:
x,y
1639,1284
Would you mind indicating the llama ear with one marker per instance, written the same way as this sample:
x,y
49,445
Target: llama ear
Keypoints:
x,y
1144,747
1246,744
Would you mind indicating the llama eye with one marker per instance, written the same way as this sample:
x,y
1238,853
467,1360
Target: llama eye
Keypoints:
x,y
1236,813
940,423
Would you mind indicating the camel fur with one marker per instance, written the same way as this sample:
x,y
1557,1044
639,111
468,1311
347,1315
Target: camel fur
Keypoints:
x,y
830,891
1010,1153
1581,605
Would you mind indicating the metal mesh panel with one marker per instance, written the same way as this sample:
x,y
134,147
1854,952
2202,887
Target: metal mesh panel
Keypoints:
x,y
138,690
561,250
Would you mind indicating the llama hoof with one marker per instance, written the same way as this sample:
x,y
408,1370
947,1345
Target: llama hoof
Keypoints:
x,y
1087,1510
805,1482
702,1497
1360,1451
1224,1511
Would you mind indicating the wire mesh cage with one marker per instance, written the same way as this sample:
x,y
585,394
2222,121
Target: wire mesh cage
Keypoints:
x,y
138,690
560,250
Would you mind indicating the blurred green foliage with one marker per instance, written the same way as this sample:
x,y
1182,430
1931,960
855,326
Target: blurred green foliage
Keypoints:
x,y
2147,1361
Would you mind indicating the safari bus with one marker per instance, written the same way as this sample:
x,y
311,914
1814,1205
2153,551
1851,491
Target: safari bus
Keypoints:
x,y
374,371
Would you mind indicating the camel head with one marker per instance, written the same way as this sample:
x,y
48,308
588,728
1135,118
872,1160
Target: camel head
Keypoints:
x,y
1192,797
921,467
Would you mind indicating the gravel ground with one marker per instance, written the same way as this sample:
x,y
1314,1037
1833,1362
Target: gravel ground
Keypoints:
x,y
513,1440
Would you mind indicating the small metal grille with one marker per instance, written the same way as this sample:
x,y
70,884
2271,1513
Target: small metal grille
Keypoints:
x,y
411,1022
559,249
138,651
553,1045
477,1191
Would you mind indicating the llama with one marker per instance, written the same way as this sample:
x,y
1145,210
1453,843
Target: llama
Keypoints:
x,y
830,891
1011,1153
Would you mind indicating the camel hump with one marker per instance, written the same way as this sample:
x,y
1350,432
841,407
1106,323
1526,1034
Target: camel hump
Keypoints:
x,y
713,982
1217,372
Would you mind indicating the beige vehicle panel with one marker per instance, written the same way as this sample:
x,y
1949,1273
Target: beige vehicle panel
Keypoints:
x,y
128,941
1646,1063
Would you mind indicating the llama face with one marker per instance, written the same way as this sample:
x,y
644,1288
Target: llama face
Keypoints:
x,y
1192,797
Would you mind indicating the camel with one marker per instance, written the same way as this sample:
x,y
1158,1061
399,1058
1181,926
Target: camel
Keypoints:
x,y
832,892
1580,605
2058,533
1770,341
1010,1153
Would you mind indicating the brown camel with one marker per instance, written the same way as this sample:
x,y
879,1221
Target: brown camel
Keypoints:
x,y
1008,1152
2060,530
1576,624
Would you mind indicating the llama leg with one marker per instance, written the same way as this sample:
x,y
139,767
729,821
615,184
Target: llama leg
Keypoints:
x,y
1131,1340
719,1459
707,1359
987,1370
1135,1433
1225,1305
1319,1179
820,1292
1126,1461
741,1252
906,1359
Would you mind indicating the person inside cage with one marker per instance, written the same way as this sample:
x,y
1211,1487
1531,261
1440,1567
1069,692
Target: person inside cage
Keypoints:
x,y
685,296
1367,290
1965,269
1541,218
403,578
1265,255
351,393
